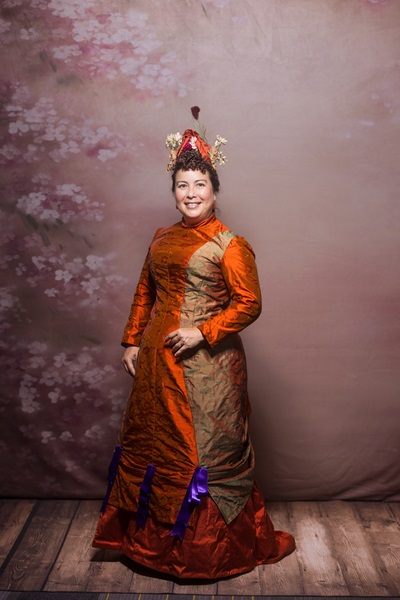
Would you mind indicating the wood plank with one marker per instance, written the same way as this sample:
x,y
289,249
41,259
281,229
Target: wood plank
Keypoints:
x,y
352,549
34,557
342,547
148,582
279,515
386,548
114,571
320,569
79,567
381,522
241,585
109,571
394,508
198,588
284,577
13,516
377,516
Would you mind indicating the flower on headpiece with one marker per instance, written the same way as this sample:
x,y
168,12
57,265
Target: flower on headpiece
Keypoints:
x,y
215,152
191,140
173,141
219,141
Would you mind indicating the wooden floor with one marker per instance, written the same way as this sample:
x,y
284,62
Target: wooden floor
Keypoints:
x,y
343,548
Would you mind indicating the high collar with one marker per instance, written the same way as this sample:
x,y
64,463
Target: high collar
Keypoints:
x,y
209,219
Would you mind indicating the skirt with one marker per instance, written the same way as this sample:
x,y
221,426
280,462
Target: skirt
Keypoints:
x,y
210,549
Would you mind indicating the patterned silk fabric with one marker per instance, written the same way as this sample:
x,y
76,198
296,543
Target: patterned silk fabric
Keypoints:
x,y
190,412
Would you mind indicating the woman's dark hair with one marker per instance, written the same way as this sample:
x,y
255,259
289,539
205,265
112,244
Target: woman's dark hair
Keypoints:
x,y
191,160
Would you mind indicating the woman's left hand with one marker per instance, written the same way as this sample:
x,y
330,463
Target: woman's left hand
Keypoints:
x,y
183,339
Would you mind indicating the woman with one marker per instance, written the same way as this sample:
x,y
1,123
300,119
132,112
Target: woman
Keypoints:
x,y
182,497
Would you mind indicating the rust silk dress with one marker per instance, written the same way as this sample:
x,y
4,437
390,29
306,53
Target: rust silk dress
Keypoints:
x,y
189,417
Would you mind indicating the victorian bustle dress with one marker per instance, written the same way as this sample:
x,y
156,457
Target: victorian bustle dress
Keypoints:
x,y
182,497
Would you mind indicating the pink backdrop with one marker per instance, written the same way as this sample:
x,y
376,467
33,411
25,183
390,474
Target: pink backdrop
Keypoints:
x,y
308,95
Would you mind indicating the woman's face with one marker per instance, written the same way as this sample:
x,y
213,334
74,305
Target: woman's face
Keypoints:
x,y
194,196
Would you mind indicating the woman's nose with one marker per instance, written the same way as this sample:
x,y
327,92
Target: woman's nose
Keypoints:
x,y
191,193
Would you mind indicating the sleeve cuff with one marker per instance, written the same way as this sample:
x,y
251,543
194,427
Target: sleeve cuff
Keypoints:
x,y
131,340
207,334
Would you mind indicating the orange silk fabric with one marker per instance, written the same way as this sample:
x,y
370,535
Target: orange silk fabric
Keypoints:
x,y
210,549
193,411
200,144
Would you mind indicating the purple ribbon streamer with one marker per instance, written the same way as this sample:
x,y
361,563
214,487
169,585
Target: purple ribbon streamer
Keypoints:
x,y
112,472
198,487
144,496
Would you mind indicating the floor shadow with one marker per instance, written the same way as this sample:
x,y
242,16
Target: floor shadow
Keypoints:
x,y
105,555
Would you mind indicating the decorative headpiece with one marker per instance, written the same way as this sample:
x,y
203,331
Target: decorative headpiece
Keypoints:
x,y
191,140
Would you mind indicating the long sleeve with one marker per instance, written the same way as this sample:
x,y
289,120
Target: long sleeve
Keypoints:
x,y
240,274
141,307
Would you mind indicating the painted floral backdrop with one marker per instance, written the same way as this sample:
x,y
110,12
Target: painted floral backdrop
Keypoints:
x,y
89,90
62,397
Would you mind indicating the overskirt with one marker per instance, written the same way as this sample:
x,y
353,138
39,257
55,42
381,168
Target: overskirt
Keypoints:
x,y
210,549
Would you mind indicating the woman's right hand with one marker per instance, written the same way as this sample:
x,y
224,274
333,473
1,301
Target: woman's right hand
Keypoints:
x,y
129,359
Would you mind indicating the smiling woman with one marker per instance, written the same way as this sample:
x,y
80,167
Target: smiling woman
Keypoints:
x,y
195,197
182,497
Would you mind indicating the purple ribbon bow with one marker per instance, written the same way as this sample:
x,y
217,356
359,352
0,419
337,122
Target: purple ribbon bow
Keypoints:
x,y
197,487
112,472
144,496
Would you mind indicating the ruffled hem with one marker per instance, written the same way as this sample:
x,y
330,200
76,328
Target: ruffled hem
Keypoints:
x,y
210,549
